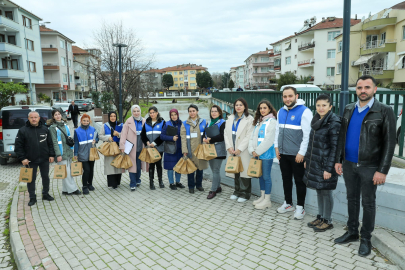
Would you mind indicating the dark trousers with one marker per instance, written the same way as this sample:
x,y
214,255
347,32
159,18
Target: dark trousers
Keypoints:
x,y
359,181
197,182
243,187
158,165
44,169
114,180
74,118
290,168
88,172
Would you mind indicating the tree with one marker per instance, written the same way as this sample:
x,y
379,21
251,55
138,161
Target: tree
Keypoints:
x,y
231,84
95,96
167,80
226,77
8,90
134,62
285,79
303,79
217,79
204,79
106,98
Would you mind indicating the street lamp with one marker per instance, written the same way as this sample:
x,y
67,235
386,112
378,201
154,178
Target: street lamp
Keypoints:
x,y
344,93
120,45
28,62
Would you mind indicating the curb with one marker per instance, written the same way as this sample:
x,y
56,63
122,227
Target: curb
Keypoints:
x,y
17,246
389,246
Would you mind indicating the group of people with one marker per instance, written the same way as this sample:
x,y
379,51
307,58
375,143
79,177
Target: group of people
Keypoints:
x,y
312,149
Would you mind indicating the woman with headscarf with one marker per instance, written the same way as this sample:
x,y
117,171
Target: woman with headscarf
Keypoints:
x,y
172,148
111,132
131,132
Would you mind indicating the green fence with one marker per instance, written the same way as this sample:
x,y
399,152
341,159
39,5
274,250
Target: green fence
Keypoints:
x,y
393,98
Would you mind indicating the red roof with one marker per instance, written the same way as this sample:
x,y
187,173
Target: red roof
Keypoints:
x,y
46,29
184,67
399,6
78,50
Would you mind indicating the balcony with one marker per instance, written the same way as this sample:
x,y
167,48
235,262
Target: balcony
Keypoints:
x,y
277,53
51,66
277,69
306,63
9,48
378,73
376,46
15,74
49,48
263,64
263,73
379,23
307,46
9,25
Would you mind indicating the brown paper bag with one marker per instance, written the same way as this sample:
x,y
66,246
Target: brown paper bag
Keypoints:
x,y
199,152
143,155
114,150
117,162
60,172
93,154
104,149
234,165
209,151
177,168
190,166
240,168
255,168
153,154
26,175
126,162
76,168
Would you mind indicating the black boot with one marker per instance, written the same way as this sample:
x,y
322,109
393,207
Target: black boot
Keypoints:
x,y
151,184
365,247
180,185
173,187
161,185
347,238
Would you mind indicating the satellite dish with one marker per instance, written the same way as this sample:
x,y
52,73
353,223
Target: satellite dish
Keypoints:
x,y
362,19
385,15
374,17
369,15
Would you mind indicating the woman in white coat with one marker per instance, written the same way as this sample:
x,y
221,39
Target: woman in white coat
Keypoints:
x,y
261,146
238,129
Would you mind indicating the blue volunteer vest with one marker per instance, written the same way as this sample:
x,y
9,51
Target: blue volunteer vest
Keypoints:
x,y
290,131
59,137
107,131
138,126
85,136
271,152
202,126
154,132
291,118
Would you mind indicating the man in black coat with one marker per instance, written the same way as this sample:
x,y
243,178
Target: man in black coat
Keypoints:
x,y
239,89
34,147
74,112
364,153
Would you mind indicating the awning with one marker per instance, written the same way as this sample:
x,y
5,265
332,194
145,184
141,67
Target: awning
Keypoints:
x,y
363,59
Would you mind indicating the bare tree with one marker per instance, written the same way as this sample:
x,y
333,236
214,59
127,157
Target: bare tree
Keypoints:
x,y
134,62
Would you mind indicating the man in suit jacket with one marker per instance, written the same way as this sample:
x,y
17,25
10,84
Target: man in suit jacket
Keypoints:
x,y
74,112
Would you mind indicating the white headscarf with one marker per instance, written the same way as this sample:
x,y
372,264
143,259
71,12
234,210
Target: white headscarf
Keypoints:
x,y
132,109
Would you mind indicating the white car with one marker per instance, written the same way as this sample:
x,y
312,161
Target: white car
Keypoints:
x,y
65,107
302,87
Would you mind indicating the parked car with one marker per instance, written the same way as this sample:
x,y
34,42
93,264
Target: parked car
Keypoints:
x,y
65,108
302,87
83,104
91,102
12,118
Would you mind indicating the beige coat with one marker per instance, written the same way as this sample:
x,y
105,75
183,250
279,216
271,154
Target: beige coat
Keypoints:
x,y
108,169
243,134
201,164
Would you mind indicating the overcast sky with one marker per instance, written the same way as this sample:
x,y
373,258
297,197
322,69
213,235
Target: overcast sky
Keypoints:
x,y
216,34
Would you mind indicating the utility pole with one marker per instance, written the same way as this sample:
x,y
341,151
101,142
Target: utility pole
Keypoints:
x,y
120,45
344,93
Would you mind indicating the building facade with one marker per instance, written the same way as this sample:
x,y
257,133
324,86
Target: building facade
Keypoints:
x,y
85,64
20,50
184,76
151,79
233,75
57,57
259,70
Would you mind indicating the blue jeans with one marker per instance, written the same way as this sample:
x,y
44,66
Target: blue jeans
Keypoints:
x,y
135,178
265,179
198,179
170,176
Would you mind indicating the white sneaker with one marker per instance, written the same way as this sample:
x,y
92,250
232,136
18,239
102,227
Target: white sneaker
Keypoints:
x,y
242,200
234,197
299,212
285,208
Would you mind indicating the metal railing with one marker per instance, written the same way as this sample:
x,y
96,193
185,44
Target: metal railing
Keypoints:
x,y
306,46
306,62
395,99
51,64
377,43
51,81
53,46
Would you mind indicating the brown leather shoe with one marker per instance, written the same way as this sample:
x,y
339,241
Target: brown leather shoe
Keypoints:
x,y
219,190
315,222
323,227
211,194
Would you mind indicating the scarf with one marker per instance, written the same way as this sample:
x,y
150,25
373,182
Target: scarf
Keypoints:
x,y
140,116
317,121
264,118
113,124
84,126
213,121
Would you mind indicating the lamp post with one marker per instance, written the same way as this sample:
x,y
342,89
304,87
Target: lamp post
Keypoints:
x,y
120,45
344,93
28,63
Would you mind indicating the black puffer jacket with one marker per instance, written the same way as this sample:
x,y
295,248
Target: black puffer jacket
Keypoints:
x,y
321,152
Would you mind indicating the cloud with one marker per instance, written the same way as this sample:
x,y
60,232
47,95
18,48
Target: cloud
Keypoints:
x,y
215,34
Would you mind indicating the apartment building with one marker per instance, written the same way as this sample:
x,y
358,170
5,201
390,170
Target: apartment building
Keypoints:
x,y
151,79
184,76
85,64
20,52
377,48
57,57
311,51
259,70
233,75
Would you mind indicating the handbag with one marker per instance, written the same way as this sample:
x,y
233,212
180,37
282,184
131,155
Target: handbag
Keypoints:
x,y
69,141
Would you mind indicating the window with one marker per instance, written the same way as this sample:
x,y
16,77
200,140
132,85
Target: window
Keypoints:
x,y
64,76
185,72
289,47
264,69
277,62
181,85
176,85
169,73
295,40
340,46
288,60
62,44
339,68
33,67
403,32
192,78
185,78
331,53
2,38
70,63
295,57
14,64
264,59
180,72
71,78
63,60
383,37
69,46
255,59
9,14
192,84
175,73
175,79
192,72
403,62
332,35
181,78
29,44
85,83
27,22
11,40
330,71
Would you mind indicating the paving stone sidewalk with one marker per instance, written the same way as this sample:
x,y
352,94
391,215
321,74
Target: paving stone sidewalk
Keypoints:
x,y
165,229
